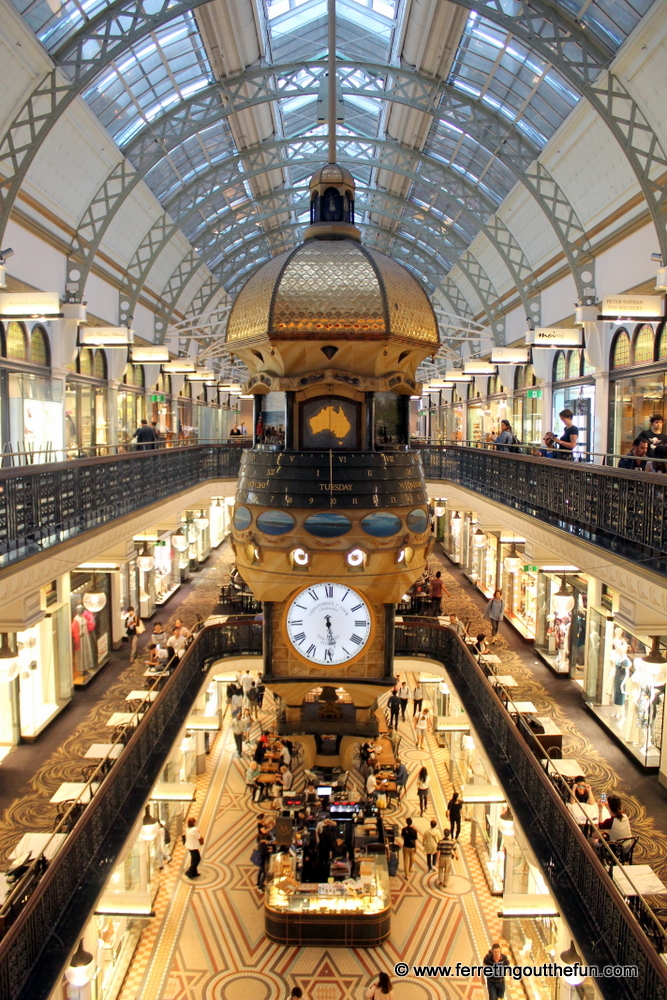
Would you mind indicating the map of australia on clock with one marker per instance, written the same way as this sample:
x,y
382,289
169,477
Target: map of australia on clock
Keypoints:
x,y
330,423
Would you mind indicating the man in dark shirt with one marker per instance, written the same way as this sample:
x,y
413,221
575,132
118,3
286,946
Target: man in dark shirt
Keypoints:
x,y
653,436
145,436
495,983
636,457
567,442
394,706
410,838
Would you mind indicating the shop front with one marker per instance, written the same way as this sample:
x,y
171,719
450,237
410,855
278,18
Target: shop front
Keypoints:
x,y
90,623
562,608
527,407
624,685
130,403
86,392
518,582
638,382
485,546
574,389
33,417
161,407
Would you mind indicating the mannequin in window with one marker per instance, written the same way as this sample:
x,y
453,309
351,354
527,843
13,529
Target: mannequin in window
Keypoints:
x,y
632,697
83,626
652,681
621,664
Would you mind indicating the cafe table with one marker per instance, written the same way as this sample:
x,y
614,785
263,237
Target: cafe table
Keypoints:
x,y
635,880
141,696
98,751
584,811
69,791
36,844
567,767
506,680
121,718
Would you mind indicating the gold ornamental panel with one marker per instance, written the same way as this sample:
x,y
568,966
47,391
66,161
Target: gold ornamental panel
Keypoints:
x,y
328,288
410,312
250,313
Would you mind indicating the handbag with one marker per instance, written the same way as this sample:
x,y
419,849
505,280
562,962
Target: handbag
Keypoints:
x,y
256,857
141,628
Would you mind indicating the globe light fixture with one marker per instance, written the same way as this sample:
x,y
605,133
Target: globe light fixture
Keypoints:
x,y
404,555
94,600
9,660
438,510
479,539
506,823
81,968
512,562
201,521
456,524
299,557
179,541
562,600
572,958
149,826
356,557
653,659
192,532
145,561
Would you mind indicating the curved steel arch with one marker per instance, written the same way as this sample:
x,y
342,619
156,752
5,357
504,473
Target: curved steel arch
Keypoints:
x,y
489,129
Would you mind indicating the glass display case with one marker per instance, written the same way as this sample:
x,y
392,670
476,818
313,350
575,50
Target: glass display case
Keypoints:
x,y
354,913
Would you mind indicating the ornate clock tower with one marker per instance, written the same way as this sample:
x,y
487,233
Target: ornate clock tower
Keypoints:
x,y
332,528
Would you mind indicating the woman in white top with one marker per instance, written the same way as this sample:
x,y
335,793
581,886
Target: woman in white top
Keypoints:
x,y
417,698
381,990
617,826
423,724
423,782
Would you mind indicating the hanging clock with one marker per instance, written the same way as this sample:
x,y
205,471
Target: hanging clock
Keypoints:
x,y
329,624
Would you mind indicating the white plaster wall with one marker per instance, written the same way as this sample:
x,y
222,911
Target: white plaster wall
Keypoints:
x,y
494,265
199,277
642,65
35,261
558,300
22,62
172,255
102,299
469,291
130,224
628,263
515,325
142,324
524,218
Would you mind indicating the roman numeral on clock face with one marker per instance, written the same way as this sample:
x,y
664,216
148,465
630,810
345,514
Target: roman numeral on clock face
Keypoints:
x,y
311,649
356,607
356,639
329,591
361,624
300,637
328,656
313,595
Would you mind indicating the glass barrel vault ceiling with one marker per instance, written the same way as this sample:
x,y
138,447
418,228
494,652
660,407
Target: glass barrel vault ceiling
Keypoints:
x,y
426,226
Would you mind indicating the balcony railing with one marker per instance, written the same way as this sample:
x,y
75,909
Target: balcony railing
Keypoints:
x,y
619,510
63,893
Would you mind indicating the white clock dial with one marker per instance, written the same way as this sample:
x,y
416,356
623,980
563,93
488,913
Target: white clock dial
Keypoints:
x,y
328,623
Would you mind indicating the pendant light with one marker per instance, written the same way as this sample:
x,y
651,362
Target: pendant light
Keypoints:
x,y
81,968
654,660
572,958
179,541
149,826
145,561
562,600
512,562
479,539
201,521
9,660
439,508
94,600
506,823
456,524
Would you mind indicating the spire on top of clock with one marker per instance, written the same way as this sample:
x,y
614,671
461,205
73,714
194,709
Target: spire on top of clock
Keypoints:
x,y
332,186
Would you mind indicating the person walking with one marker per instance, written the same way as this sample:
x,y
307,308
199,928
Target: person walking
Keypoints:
x,y
260,695
494,611
410,838
240,726
423,782
193,841
264,852
380,990
496,960
401,778
417,699
251,698
145,436
422,725
437,589
446,853
394,706
567,442
131,625
430,841
505,438
403,695
296,993
454,810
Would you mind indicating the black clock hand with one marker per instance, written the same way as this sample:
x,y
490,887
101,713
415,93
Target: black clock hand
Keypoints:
x,y
330,639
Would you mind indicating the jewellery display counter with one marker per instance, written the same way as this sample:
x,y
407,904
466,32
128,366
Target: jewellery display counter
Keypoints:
x,y
353,913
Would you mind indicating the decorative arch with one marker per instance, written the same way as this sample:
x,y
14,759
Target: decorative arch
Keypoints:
x,y
40,350
16,341
643,344
621,349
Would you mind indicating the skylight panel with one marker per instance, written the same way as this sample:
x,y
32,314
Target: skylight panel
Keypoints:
x,y
54,22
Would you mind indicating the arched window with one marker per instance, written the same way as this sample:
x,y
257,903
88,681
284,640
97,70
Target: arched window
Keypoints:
x,y
588,369
39,346
559,366
529,377
100,364
662,343
620,349
494,385
644,345
86,362
573,364
134,375
17,341
186,391
518,377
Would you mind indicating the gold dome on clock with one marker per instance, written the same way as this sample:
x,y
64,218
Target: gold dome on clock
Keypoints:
x,y
332,289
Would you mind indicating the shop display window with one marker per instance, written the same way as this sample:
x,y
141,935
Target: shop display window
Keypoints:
x,y
167,577
581,400
632,401
560,636
35,411
452,541
45,684
90,630
626,693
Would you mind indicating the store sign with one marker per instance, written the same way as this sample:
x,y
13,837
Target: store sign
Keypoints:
x,y
509,355
102,647
149,355
633,306
479,368
178,367
157,398
530,569
534,394
29,304
457,375
105,336
548,336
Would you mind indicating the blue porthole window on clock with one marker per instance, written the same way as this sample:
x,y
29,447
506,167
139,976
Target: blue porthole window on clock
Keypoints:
x,y
381,524
275,522
242,518
327,524
417,521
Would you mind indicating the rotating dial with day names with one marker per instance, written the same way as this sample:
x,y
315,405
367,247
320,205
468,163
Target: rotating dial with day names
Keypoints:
x,y
328,624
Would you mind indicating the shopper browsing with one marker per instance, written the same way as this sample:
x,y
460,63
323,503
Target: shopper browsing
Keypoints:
x,y
423,726
430,841
495,983
454,809
494,611
423,782
193,841
636,459
653,436
567,442
447,851
410,838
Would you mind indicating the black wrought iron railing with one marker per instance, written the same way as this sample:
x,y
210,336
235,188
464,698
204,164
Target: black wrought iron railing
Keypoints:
x,y
43,505
45,930
603,925
617,509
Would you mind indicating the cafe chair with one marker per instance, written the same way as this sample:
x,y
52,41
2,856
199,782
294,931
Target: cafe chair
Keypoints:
x,y
623,849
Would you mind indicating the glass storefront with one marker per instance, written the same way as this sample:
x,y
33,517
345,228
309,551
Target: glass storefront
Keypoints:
x,y
580,399
131,410
625,693
632,401
86,421
90,630
45,683
167,575
35,412
560,636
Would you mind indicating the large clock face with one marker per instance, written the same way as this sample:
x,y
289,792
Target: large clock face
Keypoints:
x,y
328,624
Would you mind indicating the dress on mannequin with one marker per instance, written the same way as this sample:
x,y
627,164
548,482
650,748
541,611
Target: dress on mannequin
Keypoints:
x,y
621,667
632,695
83,626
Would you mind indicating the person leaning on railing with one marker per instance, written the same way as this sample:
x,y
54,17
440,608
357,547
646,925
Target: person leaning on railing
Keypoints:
x,y
636,459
